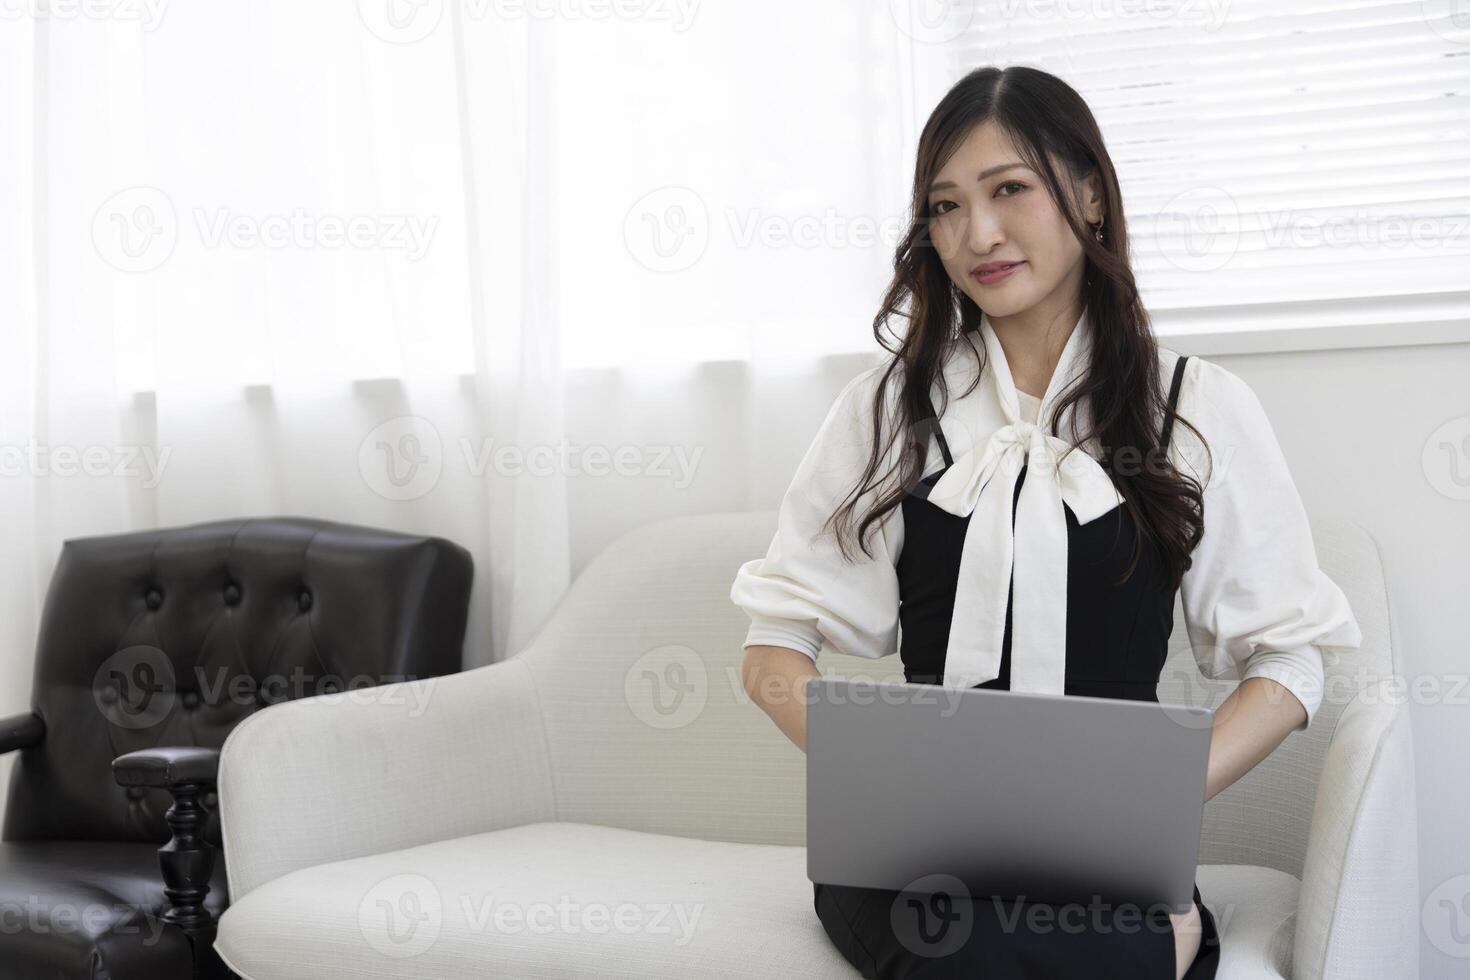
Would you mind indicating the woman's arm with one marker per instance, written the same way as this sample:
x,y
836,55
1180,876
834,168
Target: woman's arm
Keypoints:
x,y
775,678
1257,605
1249,724
804,594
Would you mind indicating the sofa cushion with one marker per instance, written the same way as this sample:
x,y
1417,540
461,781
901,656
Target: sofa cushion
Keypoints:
x,y
571,899
1255,911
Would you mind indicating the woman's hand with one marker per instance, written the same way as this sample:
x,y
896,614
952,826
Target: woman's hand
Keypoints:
x,y
1249,724
776,679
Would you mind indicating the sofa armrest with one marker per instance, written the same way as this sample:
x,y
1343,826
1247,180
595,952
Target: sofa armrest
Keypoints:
x,y
21,732
377,769
1358,914
167,767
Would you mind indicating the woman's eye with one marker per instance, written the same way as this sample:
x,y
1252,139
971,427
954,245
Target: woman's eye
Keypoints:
x,y
1011,183
939,208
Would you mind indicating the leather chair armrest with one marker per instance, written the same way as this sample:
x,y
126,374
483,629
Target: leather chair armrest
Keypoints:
x,y
21,732
166,767
186,861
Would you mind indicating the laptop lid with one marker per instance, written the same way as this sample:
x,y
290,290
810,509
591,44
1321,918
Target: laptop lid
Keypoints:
x,y
1035,796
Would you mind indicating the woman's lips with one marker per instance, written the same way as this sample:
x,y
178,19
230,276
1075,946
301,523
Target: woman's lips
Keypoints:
x,y
997,275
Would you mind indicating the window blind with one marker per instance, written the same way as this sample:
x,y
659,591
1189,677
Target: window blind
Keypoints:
x,y
1311,158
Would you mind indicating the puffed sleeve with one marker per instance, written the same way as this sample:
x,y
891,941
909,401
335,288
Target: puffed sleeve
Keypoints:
x,y
803,591
1256,604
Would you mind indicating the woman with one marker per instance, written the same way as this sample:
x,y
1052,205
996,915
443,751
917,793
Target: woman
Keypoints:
x,y
1152,474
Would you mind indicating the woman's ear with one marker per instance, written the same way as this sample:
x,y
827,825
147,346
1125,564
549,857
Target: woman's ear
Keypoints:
x,y
1092,201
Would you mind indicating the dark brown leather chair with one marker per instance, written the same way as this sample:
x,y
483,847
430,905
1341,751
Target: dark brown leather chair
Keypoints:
x,y
153,645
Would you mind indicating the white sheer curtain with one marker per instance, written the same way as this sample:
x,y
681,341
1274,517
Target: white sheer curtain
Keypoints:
x,y
350,261
460,268
526,275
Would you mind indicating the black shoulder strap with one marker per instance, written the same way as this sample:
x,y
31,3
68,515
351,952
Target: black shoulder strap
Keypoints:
x,y
938,432
1173,401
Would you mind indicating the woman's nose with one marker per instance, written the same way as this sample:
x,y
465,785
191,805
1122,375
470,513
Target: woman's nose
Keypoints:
x,y
982,234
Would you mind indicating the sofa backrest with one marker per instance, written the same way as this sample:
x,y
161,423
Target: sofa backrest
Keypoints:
x,y
649,726
1264,817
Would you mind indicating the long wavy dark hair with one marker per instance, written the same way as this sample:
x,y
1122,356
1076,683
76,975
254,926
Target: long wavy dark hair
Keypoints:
x,y
1045,118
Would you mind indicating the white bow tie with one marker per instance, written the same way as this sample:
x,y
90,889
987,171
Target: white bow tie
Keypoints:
x,y
973,486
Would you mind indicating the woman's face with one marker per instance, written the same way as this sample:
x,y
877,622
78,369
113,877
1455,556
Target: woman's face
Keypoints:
x,y
988,208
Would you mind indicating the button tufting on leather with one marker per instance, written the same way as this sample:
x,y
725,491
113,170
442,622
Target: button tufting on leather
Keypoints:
x,y
232,594
135,792
210,799
191,699
305,600
154,598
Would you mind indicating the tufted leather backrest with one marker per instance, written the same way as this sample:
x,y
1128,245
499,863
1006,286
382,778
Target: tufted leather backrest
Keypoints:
x,y
648,725
169,637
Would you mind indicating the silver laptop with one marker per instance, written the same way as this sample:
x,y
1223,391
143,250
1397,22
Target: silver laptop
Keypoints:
x,y
1040,797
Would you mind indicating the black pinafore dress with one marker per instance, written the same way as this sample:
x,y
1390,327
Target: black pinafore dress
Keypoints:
x,y
1117,642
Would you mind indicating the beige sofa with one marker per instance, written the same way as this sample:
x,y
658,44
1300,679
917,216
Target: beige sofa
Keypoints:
x,y
608,803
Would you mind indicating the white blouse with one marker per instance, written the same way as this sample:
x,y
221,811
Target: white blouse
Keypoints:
x,y
1255,602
